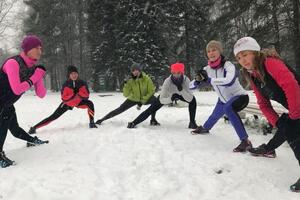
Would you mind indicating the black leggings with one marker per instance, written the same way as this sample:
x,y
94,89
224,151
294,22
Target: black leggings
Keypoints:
x,y
62,108
291,133
156,105
240,103
278,139
125,106
8,121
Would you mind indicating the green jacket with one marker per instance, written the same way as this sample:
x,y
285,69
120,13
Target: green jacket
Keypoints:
x,y
140,89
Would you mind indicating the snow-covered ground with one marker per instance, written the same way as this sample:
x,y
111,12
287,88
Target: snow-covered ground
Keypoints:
x,y
147,163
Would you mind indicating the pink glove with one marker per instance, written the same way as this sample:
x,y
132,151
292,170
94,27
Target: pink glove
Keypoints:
x,y
38,74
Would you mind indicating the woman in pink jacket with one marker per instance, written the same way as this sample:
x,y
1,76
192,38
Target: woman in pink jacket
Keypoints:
x,y
271,79
17,75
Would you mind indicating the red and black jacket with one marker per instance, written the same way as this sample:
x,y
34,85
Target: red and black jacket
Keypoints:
x,y
73,92
280,85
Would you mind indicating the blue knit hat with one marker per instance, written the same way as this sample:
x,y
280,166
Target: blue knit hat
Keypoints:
x,y
136,66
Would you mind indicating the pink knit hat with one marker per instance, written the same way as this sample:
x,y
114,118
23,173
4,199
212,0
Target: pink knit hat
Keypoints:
x,y
177,68
30,42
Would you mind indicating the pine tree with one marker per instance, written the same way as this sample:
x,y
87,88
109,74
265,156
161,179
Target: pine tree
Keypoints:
x,y
101,39
61,26
138,37
190,25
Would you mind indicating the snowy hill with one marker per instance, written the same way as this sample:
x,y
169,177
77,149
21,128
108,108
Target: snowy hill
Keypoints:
x,y
147,163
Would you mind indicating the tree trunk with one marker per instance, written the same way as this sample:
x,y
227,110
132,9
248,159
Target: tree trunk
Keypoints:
x,y
276,26
80,24
188,61
296,31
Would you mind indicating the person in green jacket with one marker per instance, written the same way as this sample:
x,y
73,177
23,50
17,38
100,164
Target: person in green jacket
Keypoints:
x,y
139,90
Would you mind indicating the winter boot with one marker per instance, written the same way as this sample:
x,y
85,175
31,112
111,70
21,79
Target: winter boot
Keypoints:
x,y
262,151
36,141
244,146
32,130
92,125
4,161
296,187
131,125
153,122
200,130
192,125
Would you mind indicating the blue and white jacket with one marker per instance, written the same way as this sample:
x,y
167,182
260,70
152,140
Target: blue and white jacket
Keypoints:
x,y
225,81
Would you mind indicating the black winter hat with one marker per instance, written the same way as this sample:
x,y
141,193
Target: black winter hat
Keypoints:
x,y
136,66
71,69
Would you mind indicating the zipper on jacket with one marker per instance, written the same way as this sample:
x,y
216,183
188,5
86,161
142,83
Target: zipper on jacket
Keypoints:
x,y
140,91
219,88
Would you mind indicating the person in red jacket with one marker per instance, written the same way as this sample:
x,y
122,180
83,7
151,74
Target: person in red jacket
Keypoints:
x,y
271,79
74,93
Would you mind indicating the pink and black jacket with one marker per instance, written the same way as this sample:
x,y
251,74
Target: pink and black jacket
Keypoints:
x,y
16,75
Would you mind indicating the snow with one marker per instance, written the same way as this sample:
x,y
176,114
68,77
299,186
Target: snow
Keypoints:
x,y
146,163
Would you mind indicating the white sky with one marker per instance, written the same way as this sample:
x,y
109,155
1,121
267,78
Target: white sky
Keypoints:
x,y
12,34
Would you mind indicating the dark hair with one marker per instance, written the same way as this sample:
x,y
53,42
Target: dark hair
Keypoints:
x,y
72,68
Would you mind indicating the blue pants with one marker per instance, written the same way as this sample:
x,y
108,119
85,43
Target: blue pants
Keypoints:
x,y
230,109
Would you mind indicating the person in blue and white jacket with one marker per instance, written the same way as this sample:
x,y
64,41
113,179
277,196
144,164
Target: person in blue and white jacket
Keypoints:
x,y
223,76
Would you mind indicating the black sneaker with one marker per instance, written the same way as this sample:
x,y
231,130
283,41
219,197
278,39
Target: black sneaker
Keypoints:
x,y
99,121
153,122
200,130
32,130
261,151
36,141
193,125
131,125
92,125
296,186
4,161
244,146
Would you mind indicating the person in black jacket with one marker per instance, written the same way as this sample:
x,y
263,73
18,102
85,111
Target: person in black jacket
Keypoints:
x,y
17,75
74,93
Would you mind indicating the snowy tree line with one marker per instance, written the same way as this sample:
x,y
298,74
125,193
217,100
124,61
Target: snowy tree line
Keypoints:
x,y
6,8
104,37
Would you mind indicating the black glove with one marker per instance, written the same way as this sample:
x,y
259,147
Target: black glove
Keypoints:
x,y
201,75
41,67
